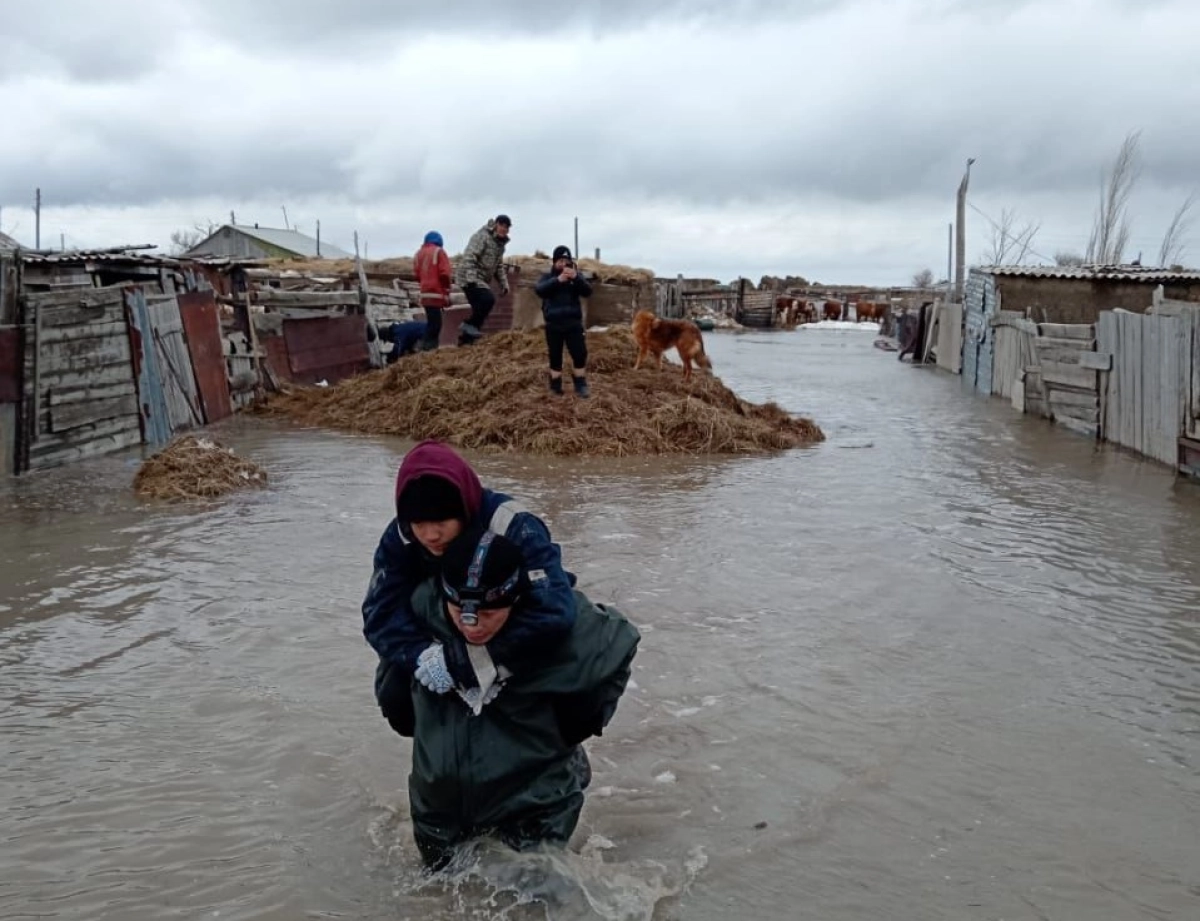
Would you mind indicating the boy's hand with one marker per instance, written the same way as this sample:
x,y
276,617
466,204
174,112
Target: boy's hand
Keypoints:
x,y
431,670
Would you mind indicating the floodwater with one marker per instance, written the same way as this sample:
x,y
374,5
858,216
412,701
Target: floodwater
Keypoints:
x,y
944,666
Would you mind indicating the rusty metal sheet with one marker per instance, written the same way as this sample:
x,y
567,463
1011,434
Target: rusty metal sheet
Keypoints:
x,y
202,326
10,366
327,348
277,356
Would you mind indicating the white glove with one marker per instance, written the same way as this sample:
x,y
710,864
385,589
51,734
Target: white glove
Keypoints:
x,y
431,670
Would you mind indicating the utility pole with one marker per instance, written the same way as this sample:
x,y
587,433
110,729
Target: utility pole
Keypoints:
x,y
37,219
960,220
318,239
576,250
949,259
286,226
62,242
232,217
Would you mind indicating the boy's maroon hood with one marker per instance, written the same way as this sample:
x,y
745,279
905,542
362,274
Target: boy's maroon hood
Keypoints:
x,y
434,458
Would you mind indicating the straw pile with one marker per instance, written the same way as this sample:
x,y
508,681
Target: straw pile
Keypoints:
x,y
195,468
493,397
531,268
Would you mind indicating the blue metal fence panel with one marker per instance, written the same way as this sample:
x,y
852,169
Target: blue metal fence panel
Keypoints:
x,y
152,398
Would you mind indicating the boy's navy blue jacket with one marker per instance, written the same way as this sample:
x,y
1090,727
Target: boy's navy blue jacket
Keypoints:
x,y
561,305
546,614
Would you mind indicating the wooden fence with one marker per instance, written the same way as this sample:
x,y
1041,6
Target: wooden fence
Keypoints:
x,y
1152,378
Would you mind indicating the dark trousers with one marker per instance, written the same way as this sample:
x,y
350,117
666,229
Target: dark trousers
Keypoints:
x,y
433,328
552,824
393,692
574,339
482,301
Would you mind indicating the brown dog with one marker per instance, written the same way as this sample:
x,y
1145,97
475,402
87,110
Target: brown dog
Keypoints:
x,y
655,335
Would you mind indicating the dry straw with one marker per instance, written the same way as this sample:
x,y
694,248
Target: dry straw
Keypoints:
x,y
493,397
195,468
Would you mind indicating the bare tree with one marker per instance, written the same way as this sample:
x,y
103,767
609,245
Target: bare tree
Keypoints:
x,y
1173,240
1010,244
183,240
1110,229
923,279
1066,257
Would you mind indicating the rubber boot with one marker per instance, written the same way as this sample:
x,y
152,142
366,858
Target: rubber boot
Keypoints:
x,y
581,387
556,386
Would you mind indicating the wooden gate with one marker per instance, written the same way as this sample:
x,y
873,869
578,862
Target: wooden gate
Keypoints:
x,y
1150,392
166,385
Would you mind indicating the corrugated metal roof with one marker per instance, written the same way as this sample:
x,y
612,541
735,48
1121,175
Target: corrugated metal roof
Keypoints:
x,y
7,242
1148,274
294,242
98,256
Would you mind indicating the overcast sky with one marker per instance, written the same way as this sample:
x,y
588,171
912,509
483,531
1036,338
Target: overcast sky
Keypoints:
x,y
824,138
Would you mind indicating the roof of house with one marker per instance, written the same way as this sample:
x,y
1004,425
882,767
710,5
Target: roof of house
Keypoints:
x,y
1136,273
291,240
7,242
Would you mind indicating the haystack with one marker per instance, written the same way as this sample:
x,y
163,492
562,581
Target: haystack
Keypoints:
x,y
493,397
195,468
531,268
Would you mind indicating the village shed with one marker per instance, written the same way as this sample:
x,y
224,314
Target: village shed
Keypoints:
x,y
997,296
103,350
253,242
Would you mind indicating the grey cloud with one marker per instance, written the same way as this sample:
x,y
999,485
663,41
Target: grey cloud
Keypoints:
x,y
85,42
319,22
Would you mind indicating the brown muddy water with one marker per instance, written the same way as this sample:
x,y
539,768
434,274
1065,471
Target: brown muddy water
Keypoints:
x,y
944,666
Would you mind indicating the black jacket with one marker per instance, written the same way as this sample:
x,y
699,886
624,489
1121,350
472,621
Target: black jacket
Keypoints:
x,y
561,304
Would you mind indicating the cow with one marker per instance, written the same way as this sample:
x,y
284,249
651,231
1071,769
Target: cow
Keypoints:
x,y
832,310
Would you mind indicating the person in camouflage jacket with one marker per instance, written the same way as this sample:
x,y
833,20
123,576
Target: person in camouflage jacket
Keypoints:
x,y
481,263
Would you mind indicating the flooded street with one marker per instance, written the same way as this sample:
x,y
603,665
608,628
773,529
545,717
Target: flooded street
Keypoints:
x,y
950,658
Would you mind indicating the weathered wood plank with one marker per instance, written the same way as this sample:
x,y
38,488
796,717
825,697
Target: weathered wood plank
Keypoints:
x,y
84,433
1133,336
77,332
1172,388
1096,361
66,416
1087,429
105,376
46,457
1067,331
1150,385
1073,345
76,356
79,316
1080,413
61,395
1060,355
90,298
1063,397
271,296
1055,372
1194,413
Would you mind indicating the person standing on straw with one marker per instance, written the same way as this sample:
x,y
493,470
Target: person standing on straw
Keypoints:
x,y
482,263
561,290
431,265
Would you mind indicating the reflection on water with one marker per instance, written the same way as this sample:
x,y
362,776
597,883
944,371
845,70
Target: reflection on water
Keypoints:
x,y
944,665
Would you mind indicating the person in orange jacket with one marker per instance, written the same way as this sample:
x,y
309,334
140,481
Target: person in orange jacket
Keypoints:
x,y
432,268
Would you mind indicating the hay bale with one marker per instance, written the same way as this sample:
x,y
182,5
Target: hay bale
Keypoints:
x,y
195,468
493,397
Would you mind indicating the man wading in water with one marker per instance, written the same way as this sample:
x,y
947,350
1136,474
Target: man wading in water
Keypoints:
x,y
422,654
